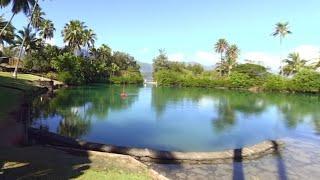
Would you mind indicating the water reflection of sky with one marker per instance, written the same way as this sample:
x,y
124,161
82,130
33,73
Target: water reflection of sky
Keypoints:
x,y
176,119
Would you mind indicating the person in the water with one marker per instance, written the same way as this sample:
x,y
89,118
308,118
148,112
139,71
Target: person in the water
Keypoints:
x,y
123,94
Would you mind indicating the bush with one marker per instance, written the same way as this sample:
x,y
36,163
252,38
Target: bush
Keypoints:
x,y
67,78
127,77
167,78
275,83
240,80
306,81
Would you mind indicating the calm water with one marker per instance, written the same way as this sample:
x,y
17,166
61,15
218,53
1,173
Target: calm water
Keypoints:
x,y
179,119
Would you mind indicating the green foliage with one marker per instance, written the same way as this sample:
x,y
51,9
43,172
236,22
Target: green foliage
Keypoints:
x,y
275,83
127,78
240,80
196,69
167,78
40,61
65,62
306,81
252,70
66,78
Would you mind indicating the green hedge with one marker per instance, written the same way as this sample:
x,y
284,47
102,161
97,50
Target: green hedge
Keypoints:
x,y
127,78
304,81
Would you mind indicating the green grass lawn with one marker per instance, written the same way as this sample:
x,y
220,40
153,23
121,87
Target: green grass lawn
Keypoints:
x,y
26,77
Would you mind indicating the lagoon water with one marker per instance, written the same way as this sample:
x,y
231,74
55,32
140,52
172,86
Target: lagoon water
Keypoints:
x,y
176,119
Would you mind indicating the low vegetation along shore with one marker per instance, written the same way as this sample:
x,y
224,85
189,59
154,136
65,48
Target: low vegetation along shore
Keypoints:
x,y
246,76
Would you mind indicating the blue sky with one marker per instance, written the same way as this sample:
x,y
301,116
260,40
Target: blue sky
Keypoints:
x,y
189,29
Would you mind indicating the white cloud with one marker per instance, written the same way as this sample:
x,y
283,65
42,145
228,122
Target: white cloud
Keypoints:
x,y
206,58
273,61
269,60
144,50
308,52
177,57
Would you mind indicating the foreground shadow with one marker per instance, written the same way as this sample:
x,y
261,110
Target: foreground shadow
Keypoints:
x,y
40,162
238,169
238,173
18,160
282,170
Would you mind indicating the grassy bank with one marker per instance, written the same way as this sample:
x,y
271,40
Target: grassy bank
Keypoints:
x,y
44,162
39,162
13,92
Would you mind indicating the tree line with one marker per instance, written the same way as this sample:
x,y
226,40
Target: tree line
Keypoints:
x,y
78,62
296,74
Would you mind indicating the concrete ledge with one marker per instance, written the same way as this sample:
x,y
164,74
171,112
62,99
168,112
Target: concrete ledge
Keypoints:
x,y
150,155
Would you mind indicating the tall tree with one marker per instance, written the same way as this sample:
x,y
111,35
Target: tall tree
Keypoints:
x,y
27,39
28,26
17,7
161,61
293,64
232,55
8,35
281,31
47,30
37,18
73,34
89,38
221,47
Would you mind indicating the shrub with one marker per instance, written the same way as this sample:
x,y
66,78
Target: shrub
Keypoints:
x,y
306,81
67,78
275,83
127,77
240,80
167,78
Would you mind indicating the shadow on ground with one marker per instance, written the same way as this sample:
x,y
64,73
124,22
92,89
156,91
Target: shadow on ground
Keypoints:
x,y
40,162
238,167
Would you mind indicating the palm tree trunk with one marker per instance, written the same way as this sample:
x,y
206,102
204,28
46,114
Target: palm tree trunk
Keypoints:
x,y
5,27
15,73
221,65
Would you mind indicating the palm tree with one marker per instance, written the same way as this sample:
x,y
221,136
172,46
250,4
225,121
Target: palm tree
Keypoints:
x,y
293,64
17,7
221,47
8,35
73,34
114,68
281,30
25,8
47,29
89,38
232,55
27,39
37,18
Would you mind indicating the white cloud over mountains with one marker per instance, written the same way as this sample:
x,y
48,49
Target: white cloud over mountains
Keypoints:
x,y
272,61
180,57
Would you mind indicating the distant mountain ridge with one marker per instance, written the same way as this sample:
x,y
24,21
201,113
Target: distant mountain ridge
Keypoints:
x,y
146,70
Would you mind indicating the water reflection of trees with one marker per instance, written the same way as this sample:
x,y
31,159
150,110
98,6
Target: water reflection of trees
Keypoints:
x,y
75,107
72,124
294,108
